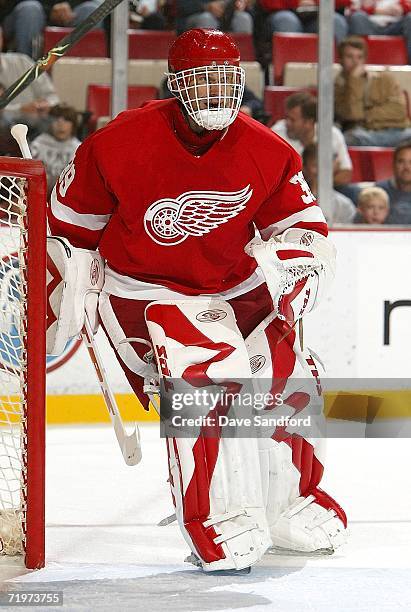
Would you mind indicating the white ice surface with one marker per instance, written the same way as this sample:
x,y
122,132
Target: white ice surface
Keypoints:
x,y
102,526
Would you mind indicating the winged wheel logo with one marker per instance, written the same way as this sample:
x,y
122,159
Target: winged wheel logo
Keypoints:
x,y
171,221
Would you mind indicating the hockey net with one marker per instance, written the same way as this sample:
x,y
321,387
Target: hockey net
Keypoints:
x,y
22,358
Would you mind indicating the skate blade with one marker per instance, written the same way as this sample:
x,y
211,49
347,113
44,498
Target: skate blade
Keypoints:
x,y
167,521
194,560
321,552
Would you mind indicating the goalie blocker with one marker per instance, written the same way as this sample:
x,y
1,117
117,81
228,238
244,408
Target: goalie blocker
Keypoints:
x,y
74,279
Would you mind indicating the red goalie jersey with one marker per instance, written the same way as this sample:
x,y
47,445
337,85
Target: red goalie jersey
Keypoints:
x,y
165,218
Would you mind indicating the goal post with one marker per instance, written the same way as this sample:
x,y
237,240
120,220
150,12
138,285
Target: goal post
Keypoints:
x,y
23,193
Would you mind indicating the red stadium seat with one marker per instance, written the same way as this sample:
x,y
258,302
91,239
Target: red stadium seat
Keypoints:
x,y
361,161
292,48
245,44
275,97
93,44
381,161
297,47
387,50
149,44
98,99
371,163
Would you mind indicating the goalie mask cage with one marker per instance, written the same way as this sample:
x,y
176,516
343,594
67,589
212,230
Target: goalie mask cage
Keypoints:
x,y
22,358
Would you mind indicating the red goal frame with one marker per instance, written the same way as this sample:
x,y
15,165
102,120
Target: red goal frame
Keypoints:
x,y
35,344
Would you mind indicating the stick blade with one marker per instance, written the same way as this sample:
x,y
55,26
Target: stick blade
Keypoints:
x,y
130,444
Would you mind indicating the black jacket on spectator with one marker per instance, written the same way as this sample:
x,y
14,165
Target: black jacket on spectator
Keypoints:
x,y
48,4
6,6
185,8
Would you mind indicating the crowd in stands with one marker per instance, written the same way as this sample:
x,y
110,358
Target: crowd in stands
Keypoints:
x,y
232,16
299,128
371,108
343,208
56,147
23,21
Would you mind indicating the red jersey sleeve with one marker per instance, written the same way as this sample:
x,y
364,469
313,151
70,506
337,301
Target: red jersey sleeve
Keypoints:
x,y
290,204
81,202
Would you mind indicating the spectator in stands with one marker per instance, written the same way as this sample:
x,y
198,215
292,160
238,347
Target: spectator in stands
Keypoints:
x,y
253,106
398,187
226,15
56,147
370,107
33,104
302,16
69,13
146,14
7,142
343,210
6,117
391,18
22,22
374,208
299,128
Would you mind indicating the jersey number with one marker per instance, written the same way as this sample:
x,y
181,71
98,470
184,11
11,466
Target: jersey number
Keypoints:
x,y
66,178
298,179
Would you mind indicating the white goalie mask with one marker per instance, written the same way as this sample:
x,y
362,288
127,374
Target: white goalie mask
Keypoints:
x,y
206,77
211,95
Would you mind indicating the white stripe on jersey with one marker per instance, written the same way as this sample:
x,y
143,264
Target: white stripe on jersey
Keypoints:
x,y
67,215
133,289
313,213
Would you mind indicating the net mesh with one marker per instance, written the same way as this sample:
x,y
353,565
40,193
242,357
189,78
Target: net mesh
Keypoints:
x,y
13,363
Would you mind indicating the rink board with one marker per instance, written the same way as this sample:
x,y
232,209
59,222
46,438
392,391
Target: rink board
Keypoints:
x,y
361,332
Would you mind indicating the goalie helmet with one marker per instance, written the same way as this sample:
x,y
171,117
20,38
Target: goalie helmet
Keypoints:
x,y
204,74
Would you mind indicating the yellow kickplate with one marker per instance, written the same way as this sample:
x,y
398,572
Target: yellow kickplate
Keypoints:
x,y
91,409
356,406
368,405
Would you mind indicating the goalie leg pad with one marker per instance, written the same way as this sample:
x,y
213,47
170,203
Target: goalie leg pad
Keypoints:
x,y
74,279
218,499
199,332
279,476
215,482
302,518
280,367
311,524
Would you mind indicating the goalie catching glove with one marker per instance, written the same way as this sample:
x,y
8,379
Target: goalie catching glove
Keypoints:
x,y
298,266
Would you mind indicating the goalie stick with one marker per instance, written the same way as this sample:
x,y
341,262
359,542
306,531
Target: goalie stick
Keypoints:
x,y
129,443
46,62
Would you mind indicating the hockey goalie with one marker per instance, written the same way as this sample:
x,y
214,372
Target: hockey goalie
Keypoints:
x,y
195,208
